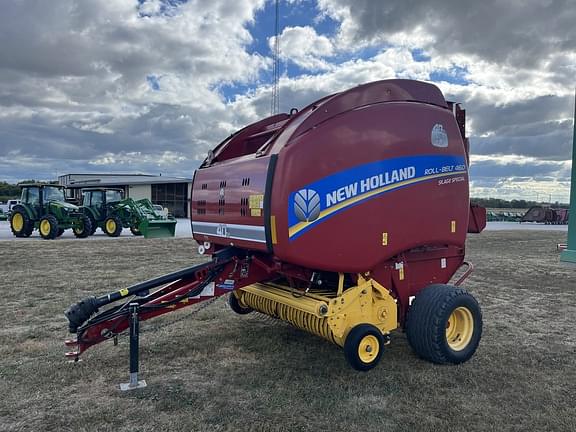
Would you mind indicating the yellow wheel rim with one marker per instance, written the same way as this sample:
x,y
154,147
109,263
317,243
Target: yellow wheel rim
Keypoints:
x,y
45,227
17,222
368,349
459,328
110,225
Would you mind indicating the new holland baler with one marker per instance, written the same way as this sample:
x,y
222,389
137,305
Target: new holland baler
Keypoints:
x,y
347,219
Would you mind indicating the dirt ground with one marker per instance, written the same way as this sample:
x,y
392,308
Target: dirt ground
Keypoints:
x,y
217,371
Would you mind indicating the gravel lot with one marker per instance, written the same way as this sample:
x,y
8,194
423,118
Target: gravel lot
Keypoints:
x,y
182,231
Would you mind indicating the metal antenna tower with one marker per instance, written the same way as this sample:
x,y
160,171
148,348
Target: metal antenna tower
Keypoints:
x,y
275,102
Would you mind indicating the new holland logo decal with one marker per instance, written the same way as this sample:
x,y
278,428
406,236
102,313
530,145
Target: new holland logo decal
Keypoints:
x,y
324,198
307,205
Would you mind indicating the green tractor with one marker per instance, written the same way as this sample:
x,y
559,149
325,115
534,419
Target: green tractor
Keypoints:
x,y
108,210
44,207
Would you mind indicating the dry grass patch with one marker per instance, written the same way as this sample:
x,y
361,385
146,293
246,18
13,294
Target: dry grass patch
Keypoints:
x,y
217,371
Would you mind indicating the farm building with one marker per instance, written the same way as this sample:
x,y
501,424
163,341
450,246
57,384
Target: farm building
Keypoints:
x,y
170,192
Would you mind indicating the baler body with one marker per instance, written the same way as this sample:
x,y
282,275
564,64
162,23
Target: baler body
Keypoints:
x,y
343,185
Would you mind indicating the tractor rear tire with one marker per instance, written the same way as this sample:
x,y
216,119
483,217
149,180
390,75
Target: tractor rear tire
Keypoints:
x,y
363,347
236,306
135,231
48,227
85,229
112,226
444,324
20,224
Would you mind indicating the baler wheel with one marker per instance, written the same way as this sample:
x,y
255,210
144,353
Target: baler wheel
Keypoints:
x,y
363,347
236,306
48,227
444,324
112,226
20,224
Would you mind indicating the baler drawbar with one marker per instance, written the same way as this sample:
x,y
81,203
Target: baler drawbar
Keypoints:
x,y
347,219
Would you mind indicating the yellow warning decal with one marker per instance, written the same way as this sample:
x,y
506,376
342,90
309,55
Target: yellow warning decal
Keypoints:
x,y
123,292
255,212
273,229
256,201
400,267
384,239
453,226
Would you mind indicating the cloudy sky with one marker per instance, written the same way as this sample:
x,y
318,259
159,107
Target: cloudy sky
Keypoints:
x,y
150,86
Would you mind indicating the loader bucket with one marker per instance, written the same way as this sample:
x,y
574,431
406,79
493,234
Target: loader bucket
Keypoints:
x,y
157,228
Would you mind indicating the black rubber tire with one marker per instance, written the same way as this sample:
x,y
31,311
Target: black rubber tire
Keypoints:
x,y
428,319
236,306
60,232
93,224
352,346
27,227
53,232
135,231
118,226
86,227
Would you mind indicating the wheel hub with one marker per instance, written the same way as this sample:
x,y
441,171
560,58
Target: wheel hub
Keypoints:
x,y
45,227
18,222
368,348
459,328
110,226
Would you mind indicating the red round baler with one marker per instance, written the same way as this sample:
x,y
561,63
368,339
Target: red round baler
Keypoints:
x,y
347,219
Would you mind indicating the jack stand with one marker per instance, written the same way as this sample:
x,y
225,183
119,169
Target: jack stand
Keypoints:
x,y
134,341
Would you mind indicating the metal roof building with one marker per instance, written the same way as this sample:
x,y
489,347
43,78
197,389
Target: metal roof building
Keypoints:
x,y
171,192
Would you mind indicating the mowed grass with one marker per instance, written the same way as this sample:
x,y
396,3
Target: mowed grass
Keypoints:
x,y
217,371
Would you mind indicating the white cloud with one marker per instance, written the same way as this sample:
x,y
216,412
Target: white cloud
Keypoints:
x,y
304,47
119,84
166,158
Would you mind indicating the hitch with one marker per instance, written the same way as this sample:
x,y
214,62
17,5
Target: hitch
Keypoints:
x,y
173,291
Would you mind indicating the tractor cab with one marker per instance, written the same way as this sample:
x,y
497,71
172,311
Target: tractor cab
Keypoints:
x,y
97,196
100,198
39,196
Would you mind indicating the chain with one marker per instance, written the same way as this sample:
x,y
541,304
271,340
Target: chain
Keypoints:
x,y
201,306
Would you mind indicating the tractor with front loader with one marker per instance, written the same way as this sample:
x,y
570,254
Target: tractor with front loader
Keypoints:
x,y
44,207
347,219
111,212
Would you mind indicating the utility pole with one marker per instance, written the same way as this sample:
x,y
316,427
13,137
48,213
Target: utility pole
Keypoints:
x,y
569,254
275,102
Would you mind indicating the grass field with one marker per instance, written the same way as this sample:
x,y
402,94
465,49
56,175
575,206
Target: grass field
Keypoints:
x,y
217,371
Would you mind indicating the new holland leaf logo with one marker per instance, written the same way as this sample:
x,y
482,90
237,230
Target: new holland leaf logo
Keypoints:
x,y
307,205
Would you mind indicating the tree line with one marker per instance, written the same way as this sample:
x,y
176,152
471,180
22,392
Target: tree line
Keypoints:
x,y
12,191
519,204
